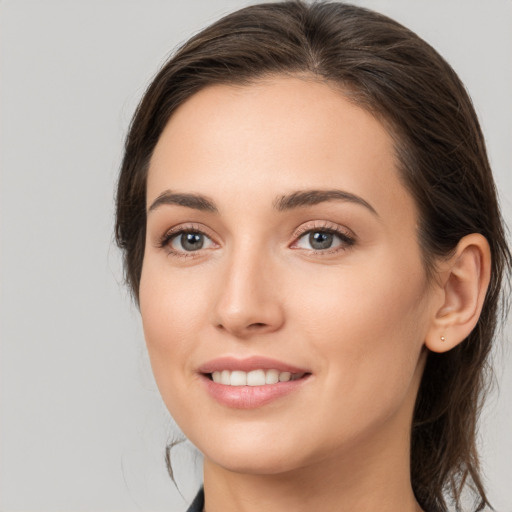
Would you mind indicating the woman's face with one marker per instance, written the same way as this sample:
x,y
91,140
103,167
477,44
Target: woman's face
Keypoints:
x,y
280,240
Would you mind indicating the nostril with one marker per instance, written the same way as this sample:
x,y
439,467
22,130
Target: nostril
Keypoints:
x,y
257,325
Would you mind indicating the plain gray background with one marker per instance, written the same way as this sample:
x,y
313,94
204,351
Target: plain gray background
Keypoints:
x,y
82,426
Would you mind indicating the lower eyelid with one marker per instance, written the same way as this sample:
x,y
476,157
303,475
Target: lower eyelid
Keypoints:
x,y
344,243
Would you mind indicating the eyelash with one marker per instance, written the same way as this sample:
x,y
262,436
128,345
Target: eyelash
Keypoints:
x,y
346,238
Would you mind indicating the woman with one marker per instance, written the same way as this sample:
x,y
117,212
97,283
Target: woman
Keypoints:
x,y
311,230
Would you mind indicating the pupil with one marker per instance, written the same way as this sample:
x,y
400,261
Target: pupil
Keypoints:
x,y
191,241
320,240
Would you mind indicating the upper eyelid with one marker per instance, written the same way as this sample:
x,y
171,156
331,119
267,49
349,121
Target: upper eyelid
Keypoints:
x,y
323,226
193,228
303,228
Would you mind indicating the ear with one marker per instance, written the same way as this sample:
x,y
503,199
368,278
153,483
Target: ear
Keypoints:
x,y
463,281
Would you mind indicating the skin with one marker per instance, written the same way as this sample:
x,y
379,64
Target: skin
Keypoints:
x,y
356,315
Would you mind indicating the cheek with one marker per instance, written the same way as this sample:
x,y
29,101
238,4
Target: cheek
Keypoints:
x,y
383,300
171,312
368,329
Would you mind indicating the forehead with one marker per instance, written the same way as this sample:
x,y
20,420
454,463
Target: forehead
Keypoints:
x,y
278,134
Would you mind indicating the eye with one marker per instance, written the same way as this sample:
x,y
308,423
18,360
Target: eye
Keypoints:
x,y
186,241
324,240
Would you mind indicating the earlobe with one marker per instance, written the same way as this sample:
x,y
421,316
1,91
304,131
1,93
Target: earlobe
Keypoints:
x,y
464,279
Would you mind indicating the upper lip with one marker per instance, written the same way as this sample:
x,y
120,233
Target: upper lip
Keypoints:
x,y
248,364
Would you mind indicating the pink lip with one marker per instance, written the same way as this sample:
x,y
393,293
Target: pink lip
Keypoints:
x,y
249,397
248,364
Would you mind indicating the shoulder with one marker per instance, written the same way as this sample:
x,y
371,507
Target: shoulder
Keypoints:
x,y
198,503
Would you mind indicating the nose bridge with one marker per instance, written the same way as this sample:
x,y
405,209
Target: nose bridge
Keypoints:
x,y
248,300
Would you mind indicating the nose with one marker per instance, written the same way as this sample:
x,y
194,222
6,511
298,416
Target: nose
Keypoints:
x,y
248,302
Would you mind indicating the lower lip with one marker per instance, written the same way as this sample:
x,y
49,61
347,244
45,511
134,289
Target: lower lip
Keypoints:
x,y
251,397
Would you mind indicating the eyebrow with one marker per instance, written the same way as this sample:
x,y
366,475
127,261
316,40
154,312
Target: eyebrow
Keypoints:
x,y
305,198
194,201
299,199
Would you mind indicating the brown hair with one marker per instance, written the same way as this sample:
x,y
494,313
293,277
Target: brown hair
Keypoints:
x,y
388,70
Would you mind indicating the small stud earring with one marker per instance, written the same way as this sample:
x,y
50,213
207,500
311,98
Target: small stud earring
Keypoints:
x,y
443,339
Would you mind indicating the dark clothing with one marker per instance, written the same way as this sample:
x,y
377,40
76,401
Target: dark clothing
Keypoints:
x,y
198,503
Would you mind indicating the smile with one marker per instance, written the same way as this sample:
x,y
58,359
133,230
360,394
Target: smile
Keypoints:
x,y
258,377
251,383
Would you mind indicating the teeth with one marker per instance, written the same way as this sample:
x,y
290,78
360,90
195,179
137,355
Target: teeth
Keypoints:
x,y
253,378
285,376
225,377
256,378
238,378
272,377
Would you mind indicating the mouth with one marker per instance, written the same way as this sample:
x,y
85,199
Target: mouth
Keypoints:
x,y
251,383
258,377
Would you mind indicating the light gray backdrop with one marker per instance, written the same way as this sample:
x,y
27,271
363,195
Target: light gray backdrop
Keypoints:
x,y
82,425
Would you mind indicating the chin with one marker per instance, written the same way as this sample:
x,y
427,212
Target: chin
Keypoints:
x,y
247,451
264,454
264,463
